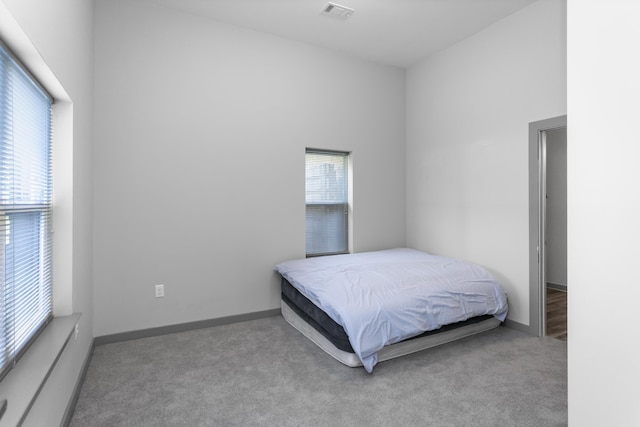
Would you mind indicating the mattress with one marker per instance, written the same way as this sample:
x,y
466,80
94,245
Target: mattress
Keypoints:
x,y
386,297
318,327
314,316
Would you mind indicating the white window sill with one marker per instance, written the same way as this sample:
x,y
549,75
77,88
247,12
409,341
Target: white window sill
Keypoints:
x,y
23,383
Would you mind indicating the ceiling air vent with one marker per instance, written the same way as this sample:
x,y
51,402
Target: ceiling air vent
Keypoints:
x,y
337,11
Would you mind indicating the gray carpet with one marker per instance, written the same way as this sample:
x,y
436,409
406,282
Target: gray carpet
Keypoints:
x,y
265,373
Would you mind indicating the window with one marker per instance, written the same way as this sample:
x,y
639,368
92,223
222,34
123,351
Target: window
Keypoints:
x,y
327,200
25,209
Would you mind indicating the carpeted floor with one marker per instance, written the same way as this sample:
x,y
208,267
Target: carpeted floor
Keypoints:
x,y
265,373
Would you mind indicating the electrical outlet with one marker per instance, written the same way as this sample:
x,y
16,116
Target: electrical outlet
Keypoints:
x,y
159,291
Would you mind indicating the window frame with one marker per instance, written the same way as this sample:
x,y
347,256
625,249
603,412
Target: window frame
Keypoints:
x,y
43,251
344,205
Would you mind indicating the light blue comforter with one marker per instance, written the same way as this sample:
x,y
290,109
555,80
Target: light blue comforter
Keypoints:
x,y
384,297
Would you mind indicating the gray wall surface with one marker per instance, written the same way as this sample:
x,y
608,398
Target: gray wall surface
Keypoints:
x,y
201,130
468,110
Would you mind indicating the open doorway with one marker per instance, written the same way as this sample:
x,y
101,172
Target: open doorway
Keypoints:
x,y
548,227
555,233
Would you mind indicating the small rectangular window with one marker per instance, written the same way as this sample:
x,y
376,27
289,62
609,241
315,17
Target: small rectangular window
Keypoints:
x,y
327,202
25,209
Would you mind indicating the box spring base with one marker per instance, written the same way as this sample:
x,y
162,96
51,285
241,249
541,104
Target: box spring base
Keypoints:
x,y
413,345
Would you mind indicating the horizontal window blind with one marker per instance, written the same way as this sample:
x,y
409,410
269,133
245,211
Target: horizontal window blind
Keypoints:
x,y
327,202
25,209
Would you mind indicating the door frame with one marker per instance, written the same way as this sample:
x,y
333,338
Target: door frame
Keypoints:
x,y
537,221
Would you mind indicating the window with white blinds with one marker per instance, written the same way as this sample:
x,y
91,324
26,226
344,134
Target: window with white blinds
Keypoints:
x,y
25,209
327,202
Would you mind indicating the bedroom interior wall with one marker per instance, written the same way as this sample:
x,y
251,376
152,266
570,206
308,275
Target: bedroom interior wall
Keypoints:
x,y
468,110
200,135
61,36
603,212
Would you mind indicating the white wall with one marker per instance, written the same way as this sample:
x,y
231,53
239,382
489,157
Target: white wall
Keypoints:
x,y
55,39
468,110
604,212
201,130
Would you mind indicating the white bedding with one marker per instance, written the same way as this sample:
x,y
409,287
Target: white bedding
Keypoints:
x,y
384,297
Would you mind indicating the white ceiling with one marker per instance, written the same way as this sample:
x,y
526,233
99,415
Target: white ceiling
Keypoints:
x,y
396,32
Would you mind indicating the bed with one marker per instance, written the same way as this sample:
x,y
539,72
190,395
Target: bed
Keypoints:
x,y
368,307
